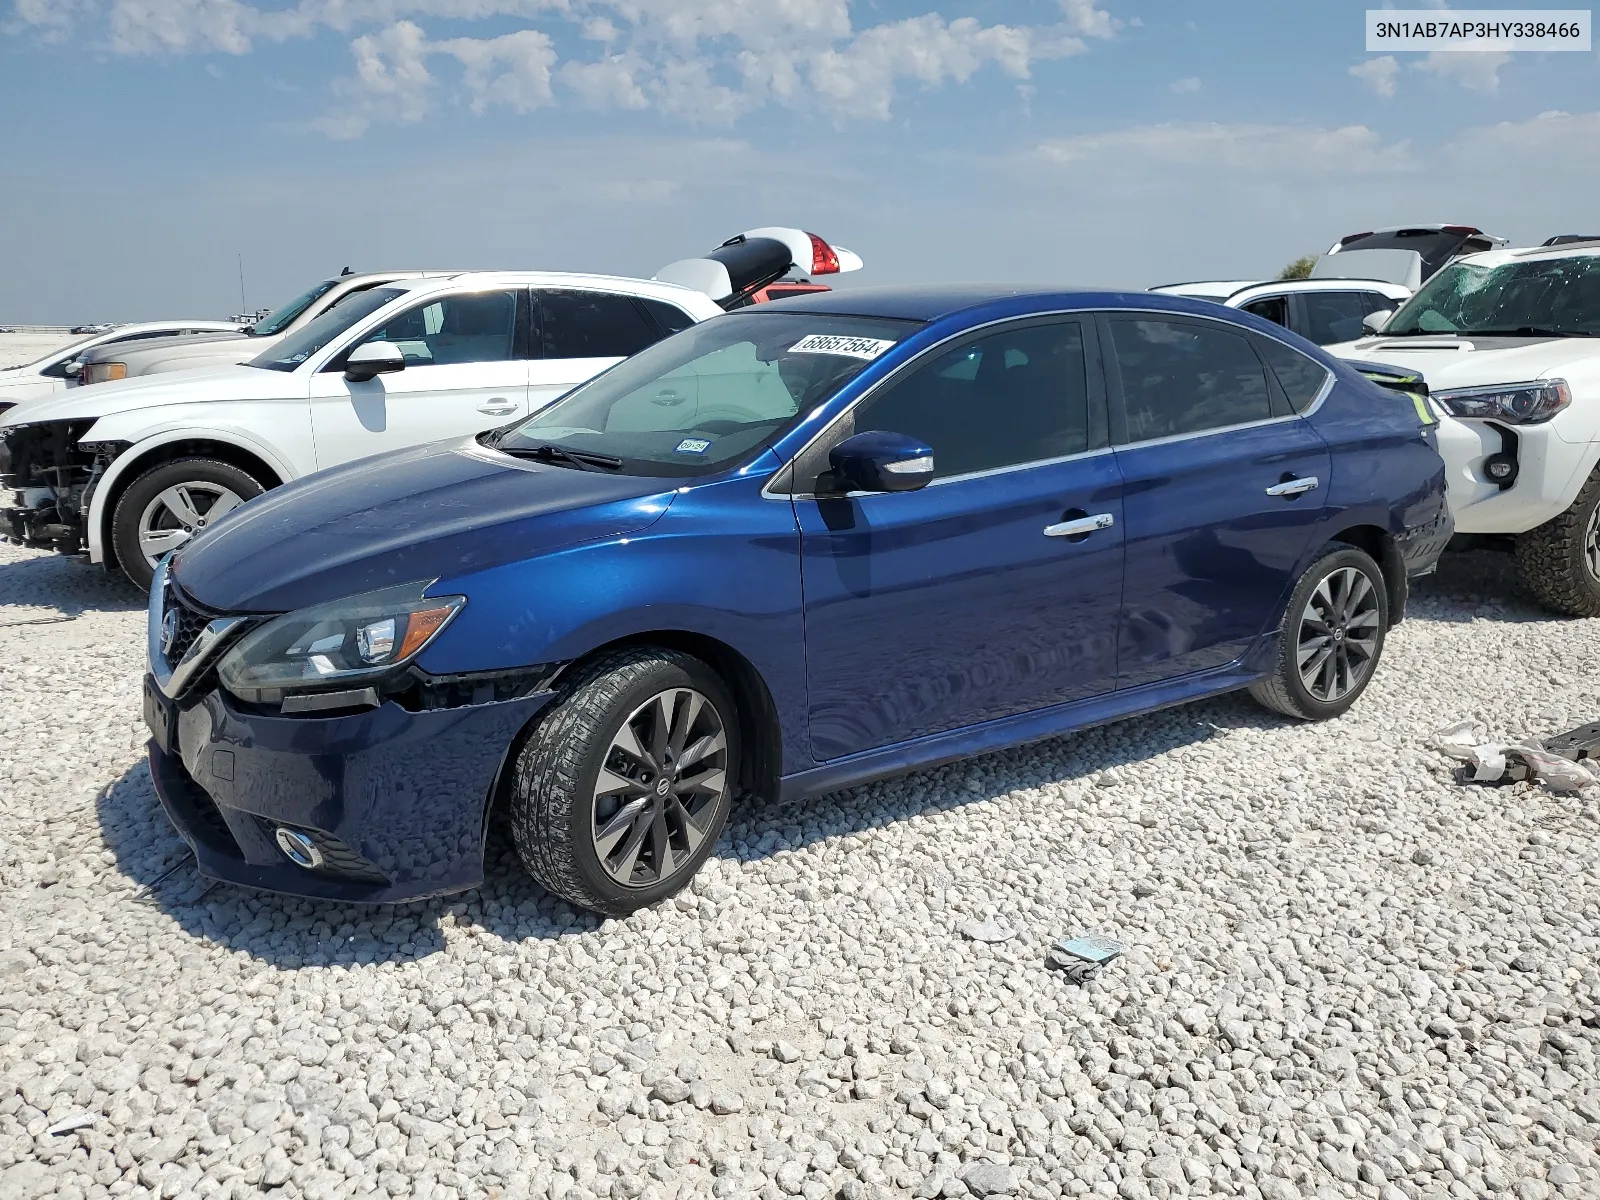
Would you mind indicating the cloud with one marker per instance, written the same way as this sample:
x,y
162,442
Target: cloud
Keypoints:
x,y
1263,149
1478,70
1189,83
1379,74
706,61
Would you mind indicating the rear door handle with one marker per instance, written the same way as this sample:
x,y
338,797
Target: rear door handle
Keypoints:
x,y
1081,526
1290,488
497,407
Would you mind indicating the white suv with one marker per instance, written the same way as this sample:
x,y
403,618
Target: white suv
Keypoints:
x,y
1508,343
129,470
1319,310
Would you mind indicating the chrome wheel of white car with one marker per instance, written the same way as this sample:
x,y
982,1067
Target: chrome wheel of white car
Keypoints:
x,y
1591,545
180,512
169,504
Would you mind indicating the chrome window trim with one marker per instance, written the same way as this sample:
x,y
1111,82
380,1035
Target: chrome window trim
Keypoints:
x,y
1316,402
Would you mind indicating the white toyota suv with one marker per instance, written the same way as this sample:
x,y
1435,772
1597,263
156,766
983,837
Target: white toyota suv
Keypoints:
x,y
129,470
1508,343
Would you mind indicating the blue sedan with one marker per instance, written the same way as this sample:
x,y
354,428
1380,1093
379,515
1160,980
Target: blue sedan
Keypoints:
x,y
780,553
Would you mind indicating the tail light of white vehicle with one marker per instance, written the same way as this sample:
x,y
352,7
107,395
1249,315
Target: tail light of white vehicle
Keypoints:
x,y
1530,403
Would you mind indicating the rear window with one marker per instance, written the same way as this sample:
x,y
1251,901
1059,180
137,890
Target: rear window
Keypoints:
x,y
1436,246
1300,377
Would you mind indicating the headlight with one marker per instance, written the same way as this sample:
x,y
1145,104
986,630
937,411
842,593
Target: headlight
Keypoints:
x,y
335,645
105,372
1513,403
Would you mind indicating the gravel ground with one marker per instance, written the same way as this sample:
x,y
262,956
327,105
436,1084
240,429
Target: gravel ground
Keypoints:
x,y
19,348
1347,975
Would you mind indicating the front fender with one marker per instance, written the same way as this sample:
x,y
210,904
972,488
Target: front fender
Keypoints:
x,y
129,463
722,564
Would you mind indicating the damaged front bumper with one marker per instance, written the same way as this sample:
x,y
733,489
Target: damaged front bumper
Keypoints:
x,y
48,478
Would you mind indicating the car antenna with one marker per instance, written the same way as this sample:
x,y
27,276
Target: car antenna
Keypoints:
x,y
346,271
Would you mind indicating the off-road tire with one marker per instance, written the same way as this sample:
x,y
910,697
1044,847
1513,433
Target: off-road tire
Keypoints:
x,y
131,505
552,788
1551,558
1284,691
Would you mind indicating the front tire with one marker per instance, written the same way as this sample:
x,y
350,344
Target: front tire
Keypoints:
x,y
1333,632
169,504
1559,562
623,788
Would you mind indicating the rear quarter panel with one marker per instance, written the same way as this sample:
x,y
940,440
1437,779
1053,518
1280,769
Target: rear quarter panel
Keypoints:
x,y
1385,469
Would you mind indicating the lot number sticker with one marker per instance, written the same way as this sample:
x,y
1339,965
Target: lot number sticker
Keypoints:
x,y
837,343
693,446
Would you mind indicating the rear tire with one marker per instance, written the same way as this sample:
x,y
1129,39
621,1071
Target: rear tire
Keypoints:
x,y
1559,561
1332,637
201,491
608,811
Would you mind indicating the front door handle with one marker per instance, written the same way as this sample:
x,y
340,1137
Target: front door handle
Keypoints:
x,y
497,407
1291,488
1081,526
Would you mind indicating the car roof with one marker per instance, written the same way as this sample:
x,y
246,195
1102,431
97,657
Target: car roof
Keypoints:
x,y
930,302
1499,257
1397,291
553,279
1206,287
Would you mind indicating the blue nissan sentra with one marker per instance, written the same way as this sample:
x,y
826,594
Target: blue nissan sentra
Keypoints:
x,y
780,553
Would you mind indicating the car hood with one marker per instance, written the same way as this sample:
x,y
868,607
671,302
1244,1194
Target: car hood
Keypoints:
x,y
450,508
174,346
1453,362
96,400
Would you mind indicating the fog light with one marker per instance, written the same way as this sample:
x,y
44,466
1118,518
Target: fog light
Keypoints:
x,y
299,848
1501,469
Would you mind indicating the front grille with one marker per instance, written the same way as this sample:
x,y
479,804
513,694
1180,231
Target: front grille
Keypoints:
x,y
191,621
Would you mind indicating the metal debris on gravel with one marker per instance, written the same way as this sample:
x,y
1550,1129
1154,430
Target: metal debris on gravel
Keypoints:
x,y
1309,1008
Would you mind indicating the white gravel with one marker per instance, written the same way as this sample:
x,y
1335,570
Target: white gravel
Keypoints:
x,y
19,348
1346,975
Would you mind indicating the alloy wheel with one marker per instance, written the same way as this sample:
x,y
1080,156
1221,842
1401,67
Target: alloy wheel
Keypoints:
x,y
1338,634
659,787
180,512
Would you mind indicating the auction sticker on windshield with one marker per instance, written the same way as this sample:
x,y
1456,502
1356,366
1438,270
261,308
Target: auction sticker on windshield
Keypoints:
x,y
693,446
838,343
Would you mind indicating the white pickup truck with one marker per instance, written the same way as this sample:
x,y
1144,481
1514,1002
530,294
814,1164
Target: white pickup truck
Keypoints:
x,y
1508,343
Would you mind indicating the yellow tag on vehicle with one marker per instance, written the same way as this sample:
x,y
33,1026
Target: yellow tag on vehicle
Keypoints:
x,y
1423,411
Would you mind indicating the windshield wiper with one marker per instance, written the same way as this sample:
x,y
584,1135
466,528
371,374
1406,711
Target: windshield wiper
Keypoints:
x,y
582,459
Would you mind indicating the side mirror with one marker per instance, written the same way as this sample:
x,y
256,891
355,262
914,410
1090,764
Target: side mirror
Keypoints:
x,y
73,369
1374,322
373,358
882,462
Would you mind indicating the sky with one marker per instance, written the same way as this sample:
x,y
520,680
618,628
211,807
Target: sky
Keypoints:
x,y
151,146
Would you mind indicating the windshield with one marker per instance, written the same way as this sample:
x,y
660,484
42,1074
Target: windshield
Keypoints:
x,y
1553,296
296,348
280,320
705,398
61,354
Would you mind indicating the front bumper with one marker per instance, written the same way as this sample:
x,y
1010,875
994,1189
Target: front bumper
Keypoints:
x,y
396,800
1550,470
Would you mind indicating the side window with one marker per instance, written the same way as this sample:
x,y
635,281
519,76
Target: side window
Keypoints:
x,y
1185,377
1332,317
1378,302
669,316
592,325
478,327
1272,308
1015,396
1300,377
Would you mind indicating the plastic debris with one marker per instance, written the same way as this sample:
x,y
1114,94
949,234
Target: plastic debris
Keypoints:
x,y
73,1123
1081,958
1561,763
987,931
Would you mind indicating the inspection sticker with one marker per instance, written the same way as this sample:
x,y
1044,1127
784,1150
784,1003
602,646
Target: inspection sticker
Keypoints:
x,y
693,446
838,343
